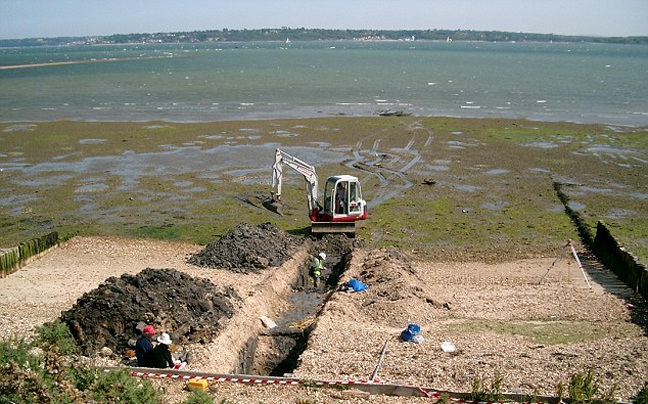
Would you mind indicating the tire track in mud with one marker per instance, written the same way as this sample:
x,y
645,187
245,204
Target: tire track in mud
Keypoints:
x,y
375,163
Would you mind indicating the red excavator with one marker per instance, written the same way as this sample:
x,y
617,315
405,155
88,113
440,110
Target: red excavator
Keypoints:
x,y
342,201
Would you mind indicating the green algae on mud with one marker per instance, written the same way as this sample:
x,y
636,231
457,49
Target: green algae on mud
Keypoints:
x,y
547,332
446,188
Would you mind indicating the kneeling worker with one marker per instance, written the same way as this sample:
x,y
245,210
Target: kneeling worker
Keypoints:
x,y
161,355
144,347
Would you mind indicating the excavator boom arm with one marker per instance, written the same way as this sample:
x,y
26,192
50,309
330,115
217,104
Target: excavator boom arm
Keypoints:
x,y
305,169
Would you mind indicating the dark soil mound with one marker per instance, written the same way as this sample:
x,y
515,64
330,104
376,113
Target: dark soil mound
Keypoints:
x,y
248,248
189,309
336,245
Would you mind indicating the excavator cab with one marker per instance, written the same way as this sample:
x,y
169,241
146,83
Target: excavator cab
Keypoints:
x,y
341,206
343,200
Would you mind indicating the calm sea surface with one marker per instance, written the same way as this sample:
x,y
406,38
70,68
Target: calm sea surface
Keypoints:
x,y
589,83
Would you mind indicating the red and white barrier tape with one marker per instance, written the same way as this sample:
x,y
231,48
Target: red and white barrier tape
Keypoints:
x,y
286,381
257,380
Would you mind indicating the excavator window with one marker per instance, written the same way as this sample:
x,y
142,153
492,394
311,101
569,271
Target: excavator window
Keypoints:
x,y
328,197
341,198
354,196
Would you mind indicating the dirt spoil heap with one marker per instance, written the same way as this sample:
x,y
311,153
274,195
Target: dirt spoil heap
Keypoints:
x,y
189,309
396,290
248,248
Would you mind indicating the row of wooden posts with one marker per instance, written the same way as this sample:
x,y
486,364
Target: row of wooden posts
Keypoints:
x,y
14,258
607,249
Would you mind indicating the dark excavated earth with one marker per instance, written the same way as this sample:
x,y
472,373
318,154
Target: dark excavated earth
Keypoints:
x,y
248,248
194,308
108,316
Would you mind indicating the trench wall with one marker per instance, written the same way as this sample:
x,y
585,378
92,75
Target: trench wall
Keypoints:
x,y
623,263
246,324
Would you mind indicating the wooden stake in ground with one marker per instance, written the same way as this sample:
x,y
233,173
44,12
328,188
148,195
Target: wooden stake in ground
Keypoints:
x,y
573,250
382,355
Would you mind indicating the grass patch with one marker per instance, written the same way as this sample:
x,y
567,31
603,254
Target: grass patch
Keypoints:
x,y
544,332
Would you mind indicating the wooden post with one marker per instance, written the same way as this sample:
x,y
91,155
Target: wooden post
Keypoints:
x,y
382,355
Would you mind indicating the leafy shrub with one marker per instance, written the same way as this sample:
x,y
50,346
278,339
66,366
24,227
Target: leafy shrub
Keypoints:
x,y
200,397
586,388
120,386
444,399
19,352
481,392
29,375
56,336
583,388
642,396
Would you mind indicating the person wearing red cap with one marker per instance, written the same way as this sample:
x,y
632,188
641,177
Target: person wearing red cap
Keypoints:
x,y
144,347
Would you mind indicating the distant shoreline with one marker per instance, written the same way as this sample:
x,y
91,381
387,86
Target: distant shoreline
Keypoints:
x,y
314,34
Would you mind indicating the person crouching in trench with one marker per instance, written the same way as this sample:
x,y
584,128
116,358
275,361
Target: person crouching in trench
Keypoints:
x,y
317,268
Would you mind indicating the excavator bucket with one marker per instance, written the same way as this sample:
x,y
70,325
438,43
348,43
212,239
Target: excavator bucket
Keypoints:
x,y
347,228
273,205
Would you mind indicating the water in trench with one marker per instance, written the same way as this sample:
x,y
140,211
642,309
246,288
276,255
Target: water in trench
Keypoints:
x,y
276,351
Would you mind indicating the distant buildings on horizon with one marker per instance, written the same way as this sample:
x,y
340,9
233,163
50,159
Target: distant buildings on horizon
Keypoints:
x,y
303,34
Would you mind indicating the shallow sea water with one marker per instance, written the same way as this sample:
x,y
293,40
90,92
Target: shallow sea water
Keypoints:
x,y
589,83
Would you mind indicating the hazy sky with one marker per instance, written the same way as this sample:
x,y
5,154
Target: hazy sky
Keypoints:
x,y
49,18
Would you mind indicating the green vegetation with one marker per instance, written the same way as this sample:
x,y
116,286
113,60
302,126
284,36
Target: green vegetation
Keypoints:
x,y
548,332
642,396
313,34
56,336
582,389
47,371
481,391
444,399
586,388
201,397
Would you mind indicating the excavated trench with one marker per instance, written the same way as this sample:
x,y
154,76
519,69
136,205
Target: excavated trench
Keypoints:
x,y
275,351
233,331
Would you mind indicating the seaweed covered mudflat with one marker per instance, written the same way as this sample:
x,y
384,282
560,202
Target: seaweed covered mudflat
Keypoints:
x,y
449,189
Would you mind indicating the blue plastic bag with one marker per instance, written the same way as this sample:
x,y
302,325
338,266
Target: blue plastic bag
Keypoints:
x,y
409,333
357,286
